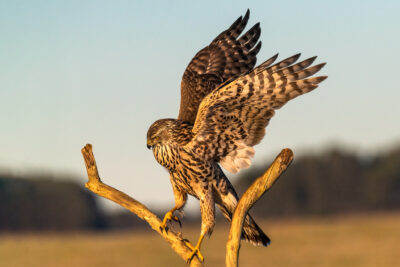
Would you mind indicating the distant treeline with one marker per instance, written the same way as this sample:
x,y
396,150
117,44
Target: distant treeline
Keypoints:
x,y
41,202
46,204
331,182
325,183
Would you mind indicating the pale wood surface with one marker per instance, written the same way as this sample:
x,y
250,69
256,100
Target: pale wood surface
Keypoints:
x,y
98,187
252,194
175,240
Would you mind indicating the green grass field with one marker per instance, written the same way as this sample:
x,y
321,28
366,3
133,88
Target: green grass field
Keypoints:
x,y
364,240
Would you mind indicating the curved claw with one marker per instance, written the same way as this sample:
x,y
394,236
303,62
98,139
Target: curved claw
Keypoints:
x,y
164,228
175,218
195,251
169,217
163,225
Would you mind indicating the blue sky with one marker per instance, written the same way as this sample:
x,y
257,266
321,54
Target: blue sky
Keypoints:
x,y
100,72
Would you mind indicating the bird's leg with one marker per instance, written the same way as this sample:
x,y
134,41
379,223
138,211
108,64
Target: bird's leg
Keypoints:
x,y
207,208
196,249
169,216
180,200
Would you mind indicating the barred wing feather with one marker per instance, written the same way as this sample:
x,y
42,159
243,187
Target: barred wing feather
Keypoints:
x,y
232,118
229,55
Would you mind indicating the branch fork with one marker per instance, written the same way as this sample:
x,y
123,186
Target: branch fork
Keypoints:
x,y
182,246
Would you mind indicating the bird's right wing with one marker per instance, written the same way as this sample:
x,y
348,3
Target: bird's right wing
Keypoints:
x,y
226,57
232,119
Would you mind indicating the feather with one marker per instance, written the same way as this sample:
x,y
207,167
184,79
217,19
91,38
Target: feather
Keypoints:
x,y
232,119
225,58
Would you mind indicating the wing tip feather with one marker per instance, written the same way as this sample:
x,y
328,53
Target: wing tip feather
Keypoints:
x,y
320,79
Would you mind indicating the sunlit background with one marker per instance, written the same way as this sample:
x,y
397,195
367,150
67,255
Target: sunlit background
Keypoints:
x,y
100,72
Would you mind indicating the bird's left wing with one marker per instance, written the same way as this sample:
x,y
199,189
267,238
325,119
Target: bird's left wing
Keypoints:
x,y
232,119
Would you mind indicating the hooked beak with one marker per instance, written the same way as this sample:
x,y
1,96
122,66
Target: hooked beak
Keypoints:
x,y
148,144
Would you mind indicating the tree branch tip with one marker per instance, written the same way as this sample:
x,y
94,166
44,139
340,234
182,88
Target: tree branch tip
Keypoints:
x,y
87,149
285,158
90,162
286,153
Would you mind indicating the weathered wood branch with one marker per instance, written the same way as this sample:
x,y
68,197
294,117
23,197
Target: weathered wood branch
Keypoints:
x,y
252,194
98,187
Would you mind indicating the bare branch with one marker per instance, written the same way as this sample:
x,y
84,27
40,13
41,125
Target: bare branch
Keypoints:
x,y
98,187
252,194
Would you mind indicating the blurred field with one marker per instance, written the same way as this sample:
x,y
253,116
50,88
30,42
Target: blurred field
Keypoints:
x,y
363,240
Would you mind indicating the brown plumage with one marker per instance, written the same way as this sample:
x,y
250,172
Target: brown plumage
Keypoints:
x,y
226,104
226,57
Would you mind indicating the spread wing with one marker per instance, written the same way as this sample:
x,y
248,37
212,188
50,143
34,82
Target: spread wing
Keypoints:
x,y
226,57
232,119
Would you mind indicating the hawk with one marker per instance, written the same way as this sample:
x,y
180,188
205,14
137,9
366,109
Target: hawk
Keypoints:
x,y
226,103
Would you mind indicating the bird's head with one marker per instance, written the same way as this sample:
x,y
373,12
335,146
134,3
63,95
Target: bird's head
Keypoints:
x,y
160,133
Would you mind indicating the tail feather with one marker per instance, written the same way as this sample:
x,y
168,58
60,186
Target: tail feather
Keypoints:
x,y
226,199
251,231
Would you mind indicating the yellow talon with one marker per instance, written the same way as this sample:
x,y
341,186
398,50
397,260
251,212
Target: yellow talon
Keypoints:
x,y
168,217
195,250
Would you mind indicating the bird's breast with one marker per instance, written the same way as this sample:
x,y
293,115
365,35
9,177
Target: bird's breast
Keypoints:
x,y
167,156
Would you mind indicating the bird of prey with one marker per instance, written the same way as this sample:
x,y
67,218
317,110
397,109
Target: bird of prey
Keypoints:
x,y
226,103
